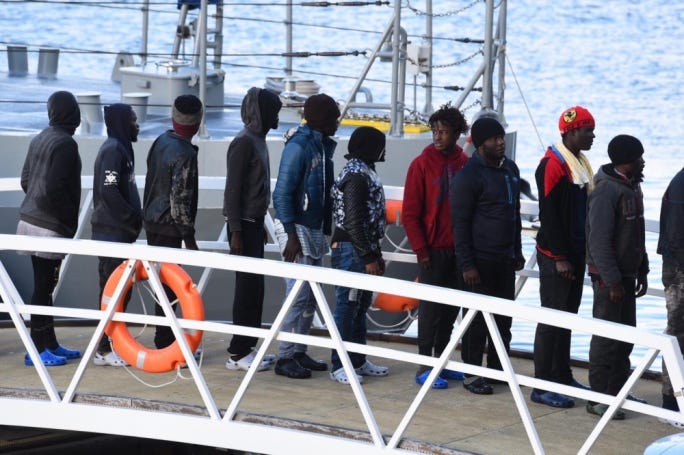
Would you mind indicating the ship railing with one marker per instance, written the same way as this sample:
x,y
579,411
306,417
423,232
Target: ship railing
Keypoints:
x,y
220,428
62,411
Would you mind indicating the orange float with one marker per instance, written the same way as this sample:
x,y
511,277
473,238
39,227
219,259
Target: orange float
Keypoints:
x,y
192,307
395,303
393,211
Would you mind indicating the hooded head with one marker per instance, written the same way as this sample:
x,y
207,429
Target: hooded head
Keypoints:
x,y
63,110
485,128
120,122
321,113
259,111
367,144
186,115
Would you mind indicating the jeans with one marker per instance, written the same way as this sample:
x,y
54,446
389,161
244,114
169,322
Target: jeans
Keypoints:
x,y
551,343
350,304
673,280
300,315
248,300
497,280
609,363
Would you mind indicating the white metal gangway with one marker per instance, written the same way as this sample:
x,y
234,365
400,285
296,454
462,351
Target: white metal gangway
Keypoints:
x,y
218,426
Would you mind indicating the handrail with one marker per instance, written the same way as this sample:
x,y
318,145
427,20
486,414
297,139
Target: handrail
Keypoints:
x,y
316,277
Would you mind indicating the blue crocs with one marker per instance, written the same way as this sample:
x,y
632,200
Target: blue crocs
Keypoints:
x,y
452,375
61,351
48,359
438,384
552,399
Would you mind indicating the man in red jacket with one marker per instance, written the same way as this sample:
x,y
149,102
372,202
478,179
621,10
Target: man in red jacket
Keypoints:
x,y
427,220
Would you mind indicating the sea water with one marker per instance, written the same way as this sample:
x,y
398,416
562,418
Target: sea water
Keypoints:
x,y
620,59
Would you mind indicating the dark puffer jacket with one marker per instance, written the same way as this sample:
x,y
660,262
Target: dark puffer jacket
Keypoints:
x,y
485,213
117,215
51,176
171,187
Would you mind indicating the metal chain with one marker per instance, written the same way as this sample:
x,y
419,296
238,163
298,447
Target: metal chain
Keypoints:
x,y
418,12
447,65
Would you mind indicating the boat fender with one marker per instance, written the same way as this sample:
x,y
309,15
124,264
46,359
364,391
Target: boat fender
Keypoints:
x,y
395,303
393,211
192,307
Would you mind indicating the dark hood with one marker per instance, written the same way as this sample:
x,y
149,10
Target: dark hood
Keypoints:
x,y
259,110
118,117
63,110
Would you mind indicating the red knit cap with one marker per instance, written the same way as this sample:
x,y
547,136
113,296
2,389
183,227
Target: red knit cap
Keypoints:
x,y
575,117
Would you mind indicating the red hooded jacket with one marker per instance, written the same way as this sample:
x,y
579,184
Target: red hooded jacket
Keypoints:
x,y
426,214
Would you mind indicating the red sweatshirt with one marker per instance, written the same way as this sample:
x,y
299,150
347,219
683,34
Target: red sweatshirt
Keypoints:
x,y
425,212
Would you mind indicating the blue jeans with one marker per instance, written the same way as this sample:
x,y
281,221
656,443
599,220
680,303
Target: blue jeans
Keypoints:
x,y
300,316
351,304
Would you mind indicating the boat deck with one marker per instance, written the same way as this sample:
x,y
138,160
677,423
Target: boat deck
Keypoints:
x,y
449,421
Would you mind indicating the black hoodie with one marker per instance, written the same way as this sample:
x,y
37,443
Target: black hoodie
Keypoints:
x,y
51,176
117,214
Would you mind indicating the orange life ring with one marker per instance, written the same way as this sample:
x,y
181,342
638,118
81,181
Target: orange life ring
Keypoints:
x,y
192,307
395,303
393,211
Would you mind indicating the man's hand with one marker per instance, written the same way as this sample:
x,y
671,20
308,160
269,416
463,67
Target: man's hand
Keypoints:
x,y
292,248
617,293
641,286
236,243
471,277
374,268
191,244
425,263
565,269
520,263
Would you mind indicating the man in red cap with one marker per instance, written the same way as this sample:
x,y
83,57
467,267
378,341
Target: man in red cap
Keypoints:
x,y
564,181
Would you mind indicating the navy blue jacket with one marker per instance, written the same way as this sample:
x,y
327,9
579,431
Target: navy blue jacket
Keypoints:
x,y
485,212
117,215
671,239
305,176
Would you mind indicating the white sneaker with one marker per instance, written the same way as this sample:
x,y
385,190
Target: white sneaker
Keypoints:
x,y
245,362
111,358
340,376
674,423
371,369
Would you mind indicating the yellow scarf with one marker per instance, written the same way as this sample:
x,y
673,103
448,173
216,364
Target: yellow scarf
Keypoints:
x,y
579,165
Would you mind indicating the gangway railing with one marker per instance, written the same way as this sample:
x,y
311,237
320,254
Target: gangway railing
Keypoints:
x,y
219,427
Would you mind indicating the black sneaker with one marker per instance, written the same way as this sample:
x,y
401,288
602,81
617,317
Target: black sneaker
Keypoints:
x,y
310,364
479,386
292,369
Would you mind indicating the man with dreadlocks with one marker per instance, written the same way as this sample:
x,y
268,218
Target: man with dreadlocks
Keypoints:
x,y
427,219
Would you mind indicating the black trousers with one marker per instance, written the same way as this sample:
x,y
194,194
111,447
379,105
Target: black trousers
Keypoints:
x,y
248,299
551,343
609,364
436,321
497,280
163,335
105,268
45,276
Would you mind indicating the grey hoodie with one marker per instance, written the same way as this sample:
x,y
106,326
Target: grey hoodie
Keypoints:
x,y
616,246
248,178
